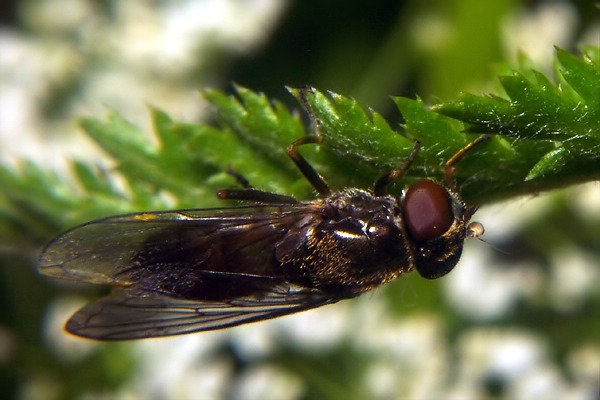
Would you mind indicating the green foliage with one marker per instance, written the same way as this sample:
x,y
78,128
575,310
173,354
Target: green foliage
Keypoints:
x,y
552,128
547,137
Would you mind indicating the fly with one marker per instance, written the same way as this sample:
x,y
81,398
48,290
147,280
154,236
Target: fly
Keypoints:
x,y
176,272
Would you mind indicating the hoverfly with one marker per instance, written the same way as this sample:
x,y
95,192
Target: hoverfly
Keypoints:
x,y
177,272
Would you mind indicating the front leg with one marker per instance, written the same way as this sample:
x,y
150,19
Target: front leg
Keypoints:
x,y
305,168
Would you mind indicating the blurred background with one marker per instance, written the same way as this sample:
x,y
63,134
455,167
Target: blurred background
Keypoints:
x,y
519,318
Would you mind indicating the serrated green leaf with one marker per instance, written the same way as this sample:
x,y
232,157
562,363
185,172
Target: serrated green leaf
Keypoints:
x,y
119,138
351,132
562,120
440,136
357,147
583,75
267,128
92,179
549,163
223,149
548,137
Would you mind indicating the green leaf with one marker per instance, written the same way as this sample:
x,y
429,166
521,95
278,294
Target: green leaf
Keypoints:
x,y
552,127
547,136
583,76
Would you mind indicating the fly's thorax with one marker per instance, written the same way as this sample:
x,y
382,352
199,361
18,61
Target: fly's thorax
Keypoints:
x,y
358,203
354,243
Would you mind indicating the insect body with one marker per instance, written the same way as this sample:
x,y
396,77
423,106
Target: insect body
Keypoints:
x,y
186,271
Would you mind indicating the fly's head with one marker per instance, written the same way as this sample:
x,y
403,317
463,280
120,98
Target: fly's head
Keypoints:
x,y
437,223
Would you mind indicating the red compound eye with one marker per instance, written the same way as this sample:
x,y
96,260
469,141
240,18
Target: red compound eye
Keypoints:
x,y
427,210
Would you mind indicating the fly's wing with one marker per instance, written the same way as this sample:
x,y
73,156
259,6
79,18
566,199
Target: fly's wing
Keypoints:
x,y
183,271
129,250
131,314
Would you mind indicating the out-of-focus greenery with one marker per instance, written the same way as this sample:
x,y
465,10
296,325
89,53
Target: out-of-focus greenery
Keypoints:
x,y
547,138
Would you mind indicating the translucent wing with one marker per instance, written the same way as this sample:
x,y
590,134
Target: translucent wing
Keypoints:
x,y
183,271
132,314
121,250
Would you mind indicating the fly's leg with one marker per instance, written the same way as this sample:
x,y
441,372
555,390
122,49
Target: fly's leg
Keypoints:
x,y
385,181
255,195
305,168
248,193
239,178
474,229
449,166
